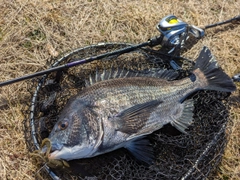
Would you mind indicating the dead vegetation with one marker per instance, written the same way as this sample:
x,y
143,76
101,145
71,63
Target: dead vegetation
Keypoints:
x,y
33,32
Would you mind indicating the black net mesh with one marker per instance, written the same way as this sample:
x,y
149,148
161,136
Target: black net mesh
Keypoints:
x,y
178,156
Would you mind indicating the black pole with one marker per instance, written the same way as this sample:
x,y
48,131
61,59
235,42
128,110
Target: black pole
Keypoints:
x,y
151,42
236,18
32,75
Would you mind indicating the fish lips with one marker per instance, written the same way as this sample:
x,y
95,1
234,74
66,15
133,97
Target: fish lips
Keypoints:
x,y
55,148
69,153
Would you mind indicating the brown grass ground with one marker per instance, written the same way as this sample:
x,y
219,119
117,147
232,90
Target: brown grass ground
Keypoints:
x,y
32,32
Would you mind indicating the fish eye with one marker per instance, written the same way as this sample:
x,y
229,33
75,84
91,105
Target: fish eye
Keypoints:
x,y
62,125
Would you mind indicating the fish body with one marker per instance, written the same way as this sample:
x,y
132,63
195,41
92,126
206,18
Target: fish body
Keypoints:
x,y
119,108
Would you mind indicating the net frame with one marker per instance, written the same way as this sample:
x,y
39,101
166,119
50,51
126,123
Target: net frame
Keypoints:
x,y
196,171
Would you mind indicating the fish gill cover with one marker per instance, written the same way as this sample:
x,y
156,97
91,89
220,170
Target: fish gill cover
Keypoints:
x,y
194,155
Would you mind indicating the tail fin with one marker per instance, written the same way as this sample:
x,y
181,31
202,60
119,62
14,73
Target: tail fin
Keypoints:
x,y
210,75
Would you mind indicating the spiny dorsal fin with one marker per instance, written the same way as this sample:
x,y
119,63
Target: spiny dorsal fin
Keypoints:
x,y
124,73
97,76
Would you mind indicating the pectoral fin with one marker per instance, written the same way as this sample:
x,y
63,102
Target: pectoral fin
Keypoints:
x,y
135,117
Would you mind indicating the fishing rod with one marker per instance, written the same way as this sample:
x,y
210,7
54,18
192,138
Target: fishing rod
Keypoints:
x,y
173,35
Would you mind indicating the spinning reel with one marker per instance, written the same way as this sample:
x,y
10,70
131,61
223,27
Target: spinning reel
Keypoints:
x,y
174,32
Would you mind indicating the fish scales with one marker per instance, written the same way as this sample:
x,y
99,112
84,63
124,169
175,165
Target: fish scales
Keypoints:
x,y
124,93
119,108
137,90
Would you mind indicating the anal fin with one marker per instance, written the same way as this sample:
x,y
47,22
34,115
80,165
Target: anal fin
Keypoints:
x,y
186,118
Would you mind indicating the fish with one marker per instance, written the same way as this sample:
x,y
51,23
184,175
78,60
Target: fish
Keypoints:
x,y
119,108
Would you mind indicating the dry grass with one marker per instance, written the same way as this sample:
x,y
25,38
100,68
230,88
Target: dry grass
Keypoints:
x,y
32,32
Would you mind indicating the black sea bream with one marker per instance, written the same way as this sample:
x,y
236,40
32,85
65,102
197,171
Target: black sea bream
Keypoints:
x,y
119,108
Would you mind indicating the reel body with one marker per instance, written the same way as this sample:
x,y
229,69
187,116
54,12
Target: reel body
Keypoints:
x,y
175,32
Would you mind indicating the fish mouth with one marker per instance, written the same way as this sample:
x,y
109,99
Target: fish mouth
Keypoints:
x,y
52,151
58,151
70,153
53,154
62,153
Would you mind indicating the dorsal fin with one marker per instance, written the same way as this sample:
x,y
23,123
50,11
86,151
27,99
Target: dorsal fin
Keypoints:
x,y
124,73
